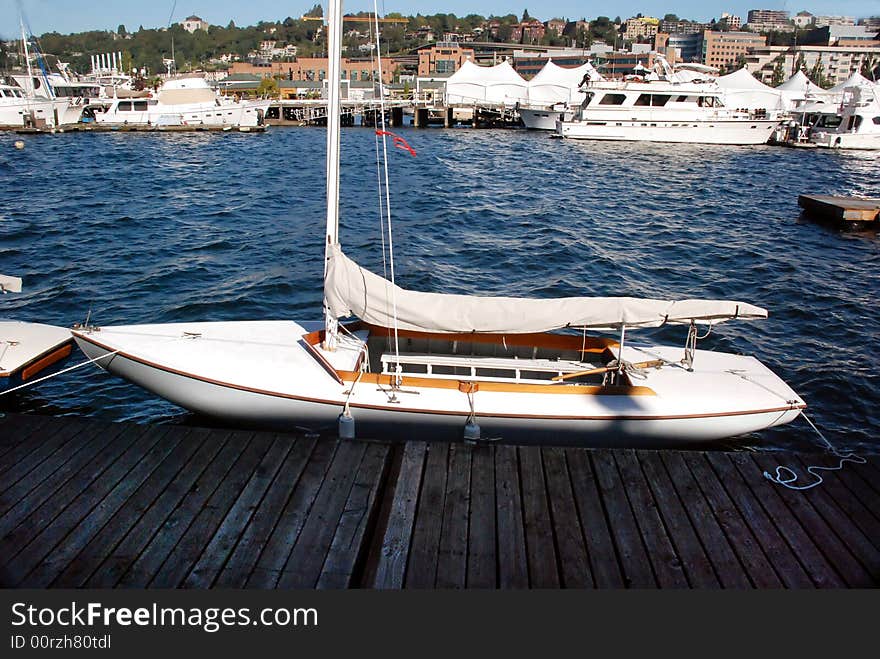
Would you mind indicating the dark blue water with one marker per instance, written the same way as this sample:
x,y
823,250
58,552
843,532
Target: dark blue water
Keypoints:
x,y
159,228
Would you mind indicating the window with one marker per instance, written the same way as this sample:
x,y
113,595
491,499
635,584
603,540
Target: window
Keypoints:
x,y
445,66
140,106
124,106
876,120
612,99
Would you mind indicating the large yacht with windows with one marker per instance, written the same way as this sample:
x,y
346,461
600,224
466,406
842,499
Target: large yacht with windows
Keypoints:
x,y
183,102
663,111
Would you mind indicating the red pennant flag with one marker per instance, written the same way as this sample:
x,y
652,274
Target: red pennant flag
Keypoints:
x,y
399,142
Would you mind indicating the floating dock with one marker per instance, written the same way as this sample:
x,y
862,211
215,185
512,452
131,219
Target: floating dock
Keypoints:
x,y
84,503
841,209
135,128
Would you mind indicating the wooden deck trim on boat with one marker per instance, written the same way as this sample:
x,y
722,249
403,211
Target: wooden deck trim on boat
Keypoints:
x,y
463,414
453,382
46,361
68,345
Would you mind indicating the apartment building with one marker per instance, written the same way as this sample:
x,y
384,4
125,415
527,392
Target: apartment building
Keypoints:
x,y
723,49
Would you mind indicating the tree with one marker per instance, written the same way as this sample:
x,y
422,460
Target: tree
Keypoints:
x,y
800,63
778,71
315,12
870,67
231,25
526,16
817,74
671,18
121,30
268,87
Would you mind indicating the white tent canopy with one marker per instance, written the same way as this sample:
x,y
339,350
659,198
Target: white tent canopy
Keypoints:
x,y
743,90
350,290
799,90
492,84
855,80
557,84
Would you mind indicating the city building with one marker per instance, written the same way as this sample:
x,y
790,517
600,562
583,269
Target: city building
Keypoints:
x,y
838,62
443,58
641,27
194,23
822,21
769,20
530,31
724,49
314,69
840,35
803,19
732,21
681,27
556,26
680,46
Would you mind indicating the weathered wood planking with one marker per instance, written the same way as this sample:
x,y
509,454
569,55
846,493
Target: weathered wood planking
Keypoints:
x,y
87,503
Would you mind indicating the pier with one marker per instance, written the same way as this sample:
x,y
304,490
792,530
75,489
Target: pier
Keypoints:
x,y
844,210
85,503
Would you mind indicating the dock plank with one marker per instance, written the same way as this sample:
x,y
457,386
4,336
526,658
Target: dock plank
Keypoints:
x,y
513,568
93,553
739,535
28,550
82,534
696,564
161,544
798,538
452,554
422,567
266,518
664,559
144,519
278,547
221,545
481,555
604,565
20,428
348,548
186,551
303,568
540,544
634,562
391,563
777,550
574,564
29,455
727,566
800,505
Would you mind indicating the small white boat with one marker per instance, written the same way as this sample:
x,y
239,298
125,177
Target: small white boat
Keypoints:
x,y
420,364
184,102
30,350
859,126
18,110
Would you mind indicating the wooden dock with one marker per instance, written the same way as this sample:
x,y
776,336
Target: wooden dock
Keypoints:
x,y
840,209
84,503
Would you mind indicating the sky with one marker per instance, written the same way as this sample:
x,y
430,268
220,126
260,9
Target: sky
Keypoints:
x,y
75,16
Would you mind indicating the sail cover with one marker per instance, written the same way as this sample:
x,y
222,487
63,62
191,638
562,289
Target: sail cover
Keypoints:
x,y
351,290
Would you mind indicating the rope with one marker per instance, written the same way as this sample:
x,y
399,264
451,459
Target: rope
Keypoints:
x,y
61,372
786,476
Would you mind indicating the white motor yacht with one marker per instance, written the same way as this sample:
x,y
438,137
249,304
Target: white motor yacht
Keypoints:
x,y
859,126
184,102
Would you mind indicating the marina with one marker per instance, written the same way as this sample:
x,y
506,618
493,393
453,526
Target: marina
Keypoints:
x,y
353,353
91,504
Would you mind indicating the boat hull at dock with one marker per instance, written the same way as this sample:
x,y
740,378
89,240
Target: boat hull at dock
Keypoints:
x,y
732,132
268,374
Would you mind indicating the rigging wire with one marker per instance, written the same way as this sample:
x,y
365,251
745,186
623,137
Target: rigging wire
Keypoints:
x,y
387,194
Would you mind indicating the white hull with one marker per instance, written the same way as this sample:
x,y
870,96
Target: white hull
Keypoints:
x,y
246,114
734,132
860,141
537,119
13,112
28,349
262,373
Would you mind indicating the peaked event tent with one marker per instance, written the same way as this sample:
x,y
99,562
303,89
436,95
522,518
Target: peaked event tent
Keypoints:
x,y
557,84
492,84
799,89
743,90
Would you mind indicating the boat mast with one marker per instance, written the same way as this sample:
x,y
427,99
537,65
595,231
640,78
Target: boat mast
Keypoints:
x,y
27,59
334,55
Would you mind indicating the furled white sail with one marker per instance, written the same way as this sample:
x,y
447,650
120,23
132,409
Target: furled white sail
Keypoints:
x,y
351,290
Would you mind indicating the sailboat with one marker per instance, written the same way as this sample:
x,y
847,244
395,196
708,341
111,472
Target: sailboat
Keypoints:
x,y
420,364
